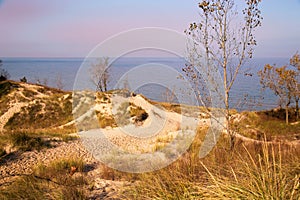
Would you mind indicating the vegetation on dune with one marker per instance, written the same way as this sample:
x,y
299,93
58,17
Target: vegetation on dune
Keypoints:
x,y
60,168
54,181
270,124
31,140
5,87
27,142
43,113
41,107
100,75
125,112
36,124
249,172
105,121
264,168
284,82
4,75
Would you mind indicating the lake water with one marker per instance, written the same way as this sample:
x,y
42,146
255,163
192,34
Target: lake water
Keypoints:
x,y
246,92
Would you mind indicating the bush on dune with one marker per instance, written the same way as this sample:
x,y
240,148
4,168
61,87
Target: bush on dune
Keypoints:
x,y
27,142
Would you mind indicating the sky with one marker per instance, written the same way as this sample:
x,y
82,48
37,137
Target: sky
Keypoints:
x,y
72,28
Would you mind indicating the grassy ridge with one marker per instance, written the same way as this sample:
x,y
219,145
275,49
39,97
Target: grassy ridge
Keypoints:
x,y
250,172
271,124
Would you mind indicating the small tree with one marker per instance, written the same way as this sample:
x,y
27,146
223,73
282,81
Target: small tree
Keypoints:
x,y
169,95
100,74
4,75
126,85
282,82
227,41
59,82
295,62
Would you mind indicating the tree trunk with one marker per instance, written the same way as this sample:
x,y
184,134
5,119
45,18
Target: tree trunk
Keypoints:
x,y
297,109
287,114
227,113
228,128
105,85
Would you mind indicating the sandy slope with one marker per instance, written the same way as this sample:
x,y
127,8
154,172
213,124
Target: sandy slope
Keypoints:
x,y
159,124
135,145
11,111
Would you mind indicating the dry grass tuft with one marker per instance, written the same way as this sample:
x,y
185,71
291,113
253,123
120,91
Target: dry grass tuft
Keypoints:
x,y
55,181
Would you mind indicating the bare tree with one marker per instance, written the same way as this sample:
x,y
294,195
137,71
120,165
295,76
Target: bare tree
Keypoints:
x,y
41,82
227,40
126,85
59,82
169,95
100,74
282,82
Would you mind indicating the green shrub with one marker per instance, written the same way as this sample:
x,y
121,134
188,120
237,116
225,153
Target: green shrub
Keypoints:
x,y
27,142
5,87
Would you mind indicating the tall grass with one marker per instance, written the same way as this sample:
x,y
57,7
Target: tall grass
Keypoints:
x,y
261,177
54,181
252,171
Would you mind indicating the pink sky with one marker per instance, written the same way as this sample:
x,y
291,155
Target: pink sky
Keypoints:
x,y
72,28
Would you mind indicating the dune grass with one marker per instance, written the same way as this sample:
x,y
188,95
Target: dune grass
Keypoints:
x,y
44,113
29,140
264,171
23,141
53,181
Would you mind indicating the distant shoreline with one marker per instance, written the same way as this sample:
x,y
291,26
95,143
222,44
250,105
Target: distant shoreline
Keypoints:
x,y
48,69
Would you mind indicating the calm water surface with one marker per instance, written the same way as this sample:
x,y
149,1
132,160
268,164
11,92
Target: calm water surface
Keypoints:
x,y
246,93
